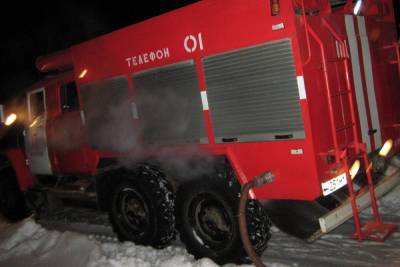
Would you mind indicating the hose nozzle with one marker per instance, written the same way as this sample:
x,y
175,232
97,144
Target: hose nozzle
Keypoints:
x,y
264,178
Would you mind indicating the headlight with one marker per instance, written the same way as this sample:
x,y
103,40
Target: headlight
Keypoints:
x,y
386,148
10,119
354,169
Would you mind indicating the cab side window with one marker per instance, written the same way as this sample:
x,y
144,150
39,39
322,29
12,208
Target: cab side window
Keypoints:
x,y
69,97
37,104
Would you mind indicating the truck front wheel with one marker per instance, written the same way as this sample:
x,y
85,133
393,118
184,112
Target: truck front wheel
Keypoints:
x,y
12,200
142,208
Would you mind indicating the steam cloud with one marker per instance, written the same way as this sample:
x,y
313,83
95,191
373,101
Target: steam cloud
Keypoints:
x,y
163,130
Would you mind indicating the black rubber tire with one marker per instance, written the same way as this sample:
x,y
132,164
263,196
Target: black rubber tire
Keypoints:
x,y
152,222
223,192
12,200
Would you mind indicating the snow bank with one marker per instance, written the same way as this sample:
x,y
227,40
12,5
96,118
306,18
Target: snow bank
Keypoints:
x,y
29,244
389,205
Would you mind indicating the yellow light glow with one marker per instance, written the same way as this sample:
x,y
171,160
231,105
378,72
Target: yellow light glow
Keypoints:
x,y
10,119
386,148
33,124
83,74
354,169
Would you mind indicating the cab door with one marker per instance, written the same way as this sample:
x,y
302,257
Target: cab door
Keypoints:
x,y
67,142
35,135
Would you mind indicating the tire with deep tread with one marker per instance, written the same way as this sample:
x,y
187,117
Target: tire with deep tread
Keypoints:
x,y
150,190
12,200
223,190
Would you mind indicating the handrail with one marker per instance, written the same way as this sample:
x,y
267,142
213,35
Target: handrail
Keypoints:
x,y
303,9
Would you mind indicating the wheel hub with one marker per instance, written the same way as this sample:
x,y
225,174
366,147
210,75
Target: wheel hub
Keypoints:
x,y
134,211
211,221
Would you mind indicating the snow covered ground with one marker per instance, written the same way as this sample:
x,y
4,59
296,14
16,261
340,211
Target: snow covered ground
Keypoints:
x,y
29,244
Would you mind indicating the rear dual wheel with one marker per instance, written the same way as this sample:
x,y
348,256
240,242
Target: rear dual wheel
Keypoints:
x,y
207,220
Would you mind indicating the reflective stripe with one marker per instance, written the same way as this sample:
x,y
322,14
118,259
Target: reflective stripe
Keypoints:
x,y
135,113
83,117
369,79
204,100
355,62
302,87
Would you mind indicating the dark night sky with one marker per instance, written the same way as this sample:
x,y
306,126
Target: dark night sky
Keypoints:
x,y
44,27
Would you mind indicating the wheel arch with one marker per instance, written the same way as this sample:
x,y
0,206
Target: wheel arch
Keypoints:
x,y
109,177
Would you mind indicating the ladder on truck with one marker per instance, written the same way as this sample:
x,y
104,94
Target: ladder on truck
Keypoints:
x,y
374,230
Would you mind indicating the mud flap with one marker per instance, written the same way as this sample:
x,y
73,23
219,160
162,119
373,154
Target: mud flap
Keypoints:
x,y
296,218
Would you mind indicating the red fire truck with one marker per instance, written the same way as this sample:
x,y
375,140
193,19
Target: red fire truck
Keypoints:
x,y
159,123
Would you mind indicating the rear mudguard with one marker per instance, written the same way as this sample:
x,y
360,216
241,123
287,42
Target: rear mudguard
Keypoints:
x,y
295,217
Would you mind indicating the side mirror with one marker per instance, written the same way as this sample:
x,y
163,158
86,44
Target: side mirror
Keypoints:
x,y
2,113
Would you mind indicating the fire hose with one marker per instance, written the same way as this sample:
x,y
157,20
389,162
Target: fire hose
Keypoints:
x,y
265,178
